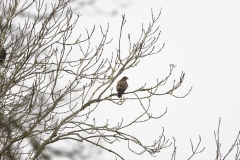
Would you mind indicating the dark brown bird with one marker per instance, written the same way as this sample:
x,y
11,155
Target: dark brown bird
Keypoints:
x,y
122,86
3,54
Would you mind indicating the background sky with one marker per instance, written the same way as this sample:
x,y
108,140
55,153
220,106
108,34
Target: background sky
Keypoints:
x,y
203,39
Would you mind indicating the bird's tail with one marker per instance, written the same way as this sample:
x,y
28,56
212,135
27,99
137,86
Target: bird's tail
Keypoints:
x,y
119,94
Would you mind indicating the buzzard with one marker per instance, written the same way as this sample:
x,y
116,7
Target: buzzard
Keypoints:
x,y
2,55
122,86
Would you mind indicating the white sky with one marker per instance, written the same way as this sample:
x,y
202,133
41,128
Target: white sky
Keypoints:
x,y
203,39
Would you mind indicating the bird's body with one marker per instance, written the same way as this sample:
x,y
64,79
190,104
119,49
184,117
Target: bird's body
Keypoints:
x,y
122,86
2,55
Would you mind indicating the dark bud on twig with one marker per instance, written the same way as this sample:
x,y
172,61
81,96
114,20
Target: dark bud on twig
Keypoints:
x,y
3,54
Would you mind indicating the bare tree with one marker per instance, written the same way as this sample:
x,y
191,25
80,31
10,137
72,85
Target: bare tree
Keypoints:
x,y
48,97
234,149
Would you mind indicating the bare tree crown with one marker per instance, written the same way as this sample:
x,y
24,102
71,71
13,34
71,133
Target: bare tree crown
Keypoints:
x,y
53,79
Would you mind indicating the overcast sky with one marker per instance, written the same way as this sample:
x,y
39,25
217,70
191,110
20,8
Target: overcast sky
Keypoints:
x,y
203,39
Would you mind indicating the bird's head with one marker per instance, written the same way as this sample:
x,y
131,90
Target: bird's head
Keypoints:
x,y
125,78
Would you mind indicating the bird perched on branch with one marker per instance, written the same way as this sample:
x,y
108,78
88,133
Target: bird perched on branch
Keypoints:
x,y
3,54
122,86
